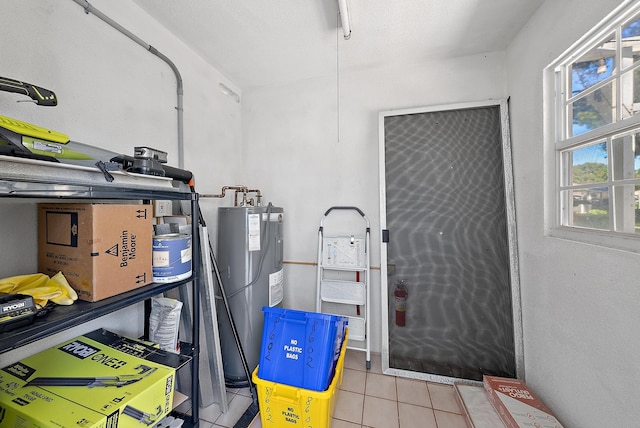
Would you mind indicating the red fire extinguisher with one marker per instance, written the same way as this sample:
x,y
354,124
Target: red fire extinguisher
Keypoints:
x,y
401,294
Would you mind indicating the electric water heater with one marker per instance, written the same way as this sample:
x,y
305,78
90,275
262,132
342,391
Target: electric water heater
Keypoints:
x,y
250,255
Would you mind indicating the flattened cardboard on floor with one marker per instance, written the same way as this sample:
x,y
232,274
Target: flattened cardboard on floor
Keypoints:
x,y
102,249
516,405
98,380
477,410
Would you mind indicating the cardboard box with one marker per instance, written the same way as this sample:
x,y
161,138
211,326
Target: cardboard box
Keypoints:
x,y
476,408
516,405
99,380
102,249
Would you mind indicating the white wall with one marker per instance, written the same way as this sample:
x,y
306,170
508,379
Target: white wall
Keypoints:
x,y
580,309
290,137
578,301
115,95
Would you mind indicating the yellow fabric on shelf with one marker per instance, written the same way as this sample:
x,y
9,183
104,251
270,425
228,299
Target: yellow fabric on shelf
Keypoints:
x,y
41,288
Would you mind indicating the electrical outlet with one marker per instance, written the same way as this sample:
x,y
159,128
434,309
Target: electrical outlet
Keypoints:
x,y
162,208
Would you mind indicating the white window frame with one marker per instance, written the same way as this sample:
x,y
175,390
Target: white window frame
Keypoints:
x,y
555,82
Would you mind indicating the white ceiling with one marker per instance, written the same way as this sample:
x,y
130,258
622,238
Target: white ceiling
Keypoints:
x,y
269,42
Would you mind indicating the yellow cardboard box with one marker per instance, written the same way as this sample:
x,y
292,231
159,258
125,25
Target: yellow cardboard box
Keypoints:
x,y
99,380
102,249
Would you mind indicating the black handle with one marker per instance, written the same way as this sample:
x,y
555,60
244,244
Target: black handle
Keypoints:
x,y
183,175
176,173
62,381
344,208
42,96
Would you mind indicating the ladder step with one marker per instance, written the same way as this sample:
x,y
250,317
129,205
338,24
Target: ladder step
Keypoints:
x,y
347,292
357,329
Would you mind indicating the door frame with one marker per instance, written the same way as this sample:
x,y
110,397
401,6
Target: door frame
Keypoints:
x,y
511,236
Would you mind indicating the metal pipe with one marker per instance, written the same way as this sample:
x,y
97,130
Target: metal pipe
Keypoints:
x,y
179,108
343,7
235,198
238,189
88,8
224,191
258,196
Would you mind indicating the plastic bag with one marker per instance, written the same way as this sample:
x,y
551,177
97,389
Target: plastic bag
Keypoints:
x,y
164,323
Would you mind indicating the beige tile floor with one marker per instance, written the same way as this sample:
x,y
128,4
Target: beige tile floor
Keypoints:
x,y
367,399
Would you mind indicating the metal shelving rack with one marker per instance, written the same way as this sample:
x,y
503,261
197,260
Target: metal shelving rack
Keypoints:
x,y
43,181
340,257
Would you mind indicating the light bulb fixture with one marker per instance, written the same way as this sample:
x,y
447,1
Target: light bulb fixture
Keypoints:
x,y
343,6
230,92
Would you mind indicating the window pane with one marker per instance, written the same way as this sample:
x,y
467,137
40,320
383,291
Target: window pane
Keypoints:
x,y
630,43
630,85
593,67
590,208
587,164
626,156
626,208
593,110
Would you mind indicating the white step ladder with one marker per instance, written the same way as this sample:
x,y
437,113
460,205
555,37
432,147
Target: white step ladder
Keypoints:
x,y
344,279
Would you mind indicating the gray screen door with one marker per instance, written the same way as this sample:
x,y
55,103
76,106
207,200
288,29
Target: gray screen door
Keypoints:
x,y
447,204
